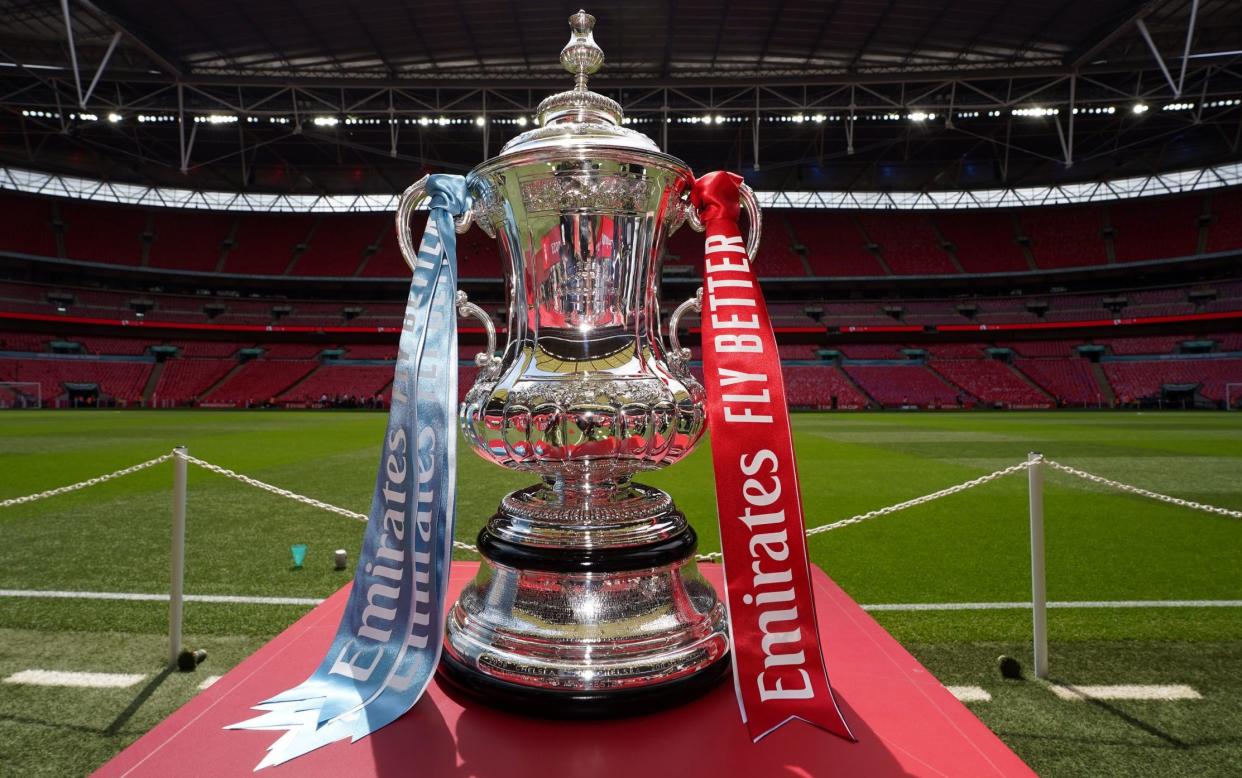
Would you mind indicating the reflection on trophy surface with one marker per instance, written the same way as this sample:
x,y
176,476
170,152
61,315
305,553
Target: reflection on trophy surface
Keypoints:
x,y
588,601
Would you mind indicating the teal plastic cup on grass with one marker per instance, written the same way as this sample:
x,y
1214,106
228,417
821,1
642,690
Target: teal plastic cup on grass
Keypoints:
x,y
299,553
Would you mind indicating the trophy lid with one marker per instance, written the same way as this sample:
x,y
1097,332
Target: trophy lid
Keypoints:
x,y
579,117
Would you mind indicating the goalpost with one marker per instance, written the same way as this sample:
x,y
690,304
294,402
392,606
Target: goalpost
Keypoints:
x,y
1231,391
21,394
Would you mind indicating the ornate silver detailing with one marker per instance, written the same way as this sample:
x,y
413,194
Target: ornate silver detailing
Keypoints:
x,y
488,362
584,191
582,57
489,210
682,355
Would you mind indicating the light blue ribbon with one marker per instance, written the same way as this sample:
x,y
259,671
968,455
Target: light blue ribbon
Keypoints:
x,y
390,636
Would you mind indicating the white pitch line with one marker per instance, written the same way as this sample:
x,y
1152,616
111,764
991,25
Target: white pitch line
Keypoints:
x,y
77,680
970,693
1126,692
995,606
208,681
143,597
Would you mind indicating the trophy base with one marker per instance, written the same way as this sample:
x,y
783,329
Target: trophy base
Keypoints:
x,y
554,704
588,629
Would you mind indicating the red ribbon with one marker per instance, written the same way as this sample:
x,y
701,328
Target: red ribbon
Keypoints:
x,y
778,669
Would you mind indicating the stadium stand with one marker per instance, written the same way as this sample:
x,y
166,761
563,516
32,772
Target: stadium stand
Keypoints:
x,y
337,245
834,244
1162,344
103,233
1044,348
1155,229
983,241
895,386
993,382
798,351
202,348
122,381
1065,236
35,213
908,242
188,239
330,381
183,381
265,244
1225,231
259,381
1142,379
372,351
820,387
23,341
1069,380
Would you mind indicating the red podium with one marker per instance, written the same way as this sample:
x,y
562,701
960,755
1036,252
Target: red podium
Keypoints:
x,y
905,721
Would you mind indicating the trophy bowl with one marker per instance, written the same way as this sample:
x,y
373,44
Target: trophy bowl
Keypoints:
x,y
588,601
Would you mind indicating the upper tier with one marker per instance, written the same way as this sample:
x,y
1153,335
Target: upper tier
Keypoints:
x,y
795,244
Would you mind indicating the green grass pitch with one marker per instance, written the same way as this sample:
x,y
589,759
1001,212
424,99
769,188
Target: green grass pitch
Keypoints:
x,y
972,547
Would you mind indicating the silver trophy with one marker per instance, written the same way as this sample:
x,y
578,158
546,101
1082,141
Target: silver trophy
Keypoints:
x,y
588,601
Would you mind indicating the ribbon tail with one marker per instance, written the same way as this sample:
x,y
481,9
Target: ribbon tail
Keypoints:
x,y
778,665
391,633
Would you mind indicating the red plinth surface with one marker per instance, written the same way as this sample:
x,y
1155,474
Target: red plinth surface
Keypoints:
x,y
905,721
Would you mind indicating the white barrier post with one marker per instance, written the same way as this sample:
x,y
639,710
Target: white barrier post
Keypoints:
x,y
177,583
1039,592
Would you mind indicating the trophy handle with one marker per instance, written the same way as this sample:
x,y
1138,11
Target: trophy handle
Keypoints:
x,y
406,206
487,360
750,204
679,354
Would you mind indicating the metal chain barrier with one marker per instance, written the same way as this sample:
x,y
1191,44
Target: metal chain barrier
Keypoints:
x,y
901,506
311,501
84,484
1099,479
715,555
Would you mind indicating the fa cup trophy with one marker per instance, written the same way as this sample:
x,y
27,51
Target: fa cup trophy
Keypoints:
x,y
588,601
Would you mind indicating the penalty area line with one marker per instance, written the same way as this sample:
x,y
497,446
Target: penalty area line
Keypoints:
x,y
145,597
1126,692
76,680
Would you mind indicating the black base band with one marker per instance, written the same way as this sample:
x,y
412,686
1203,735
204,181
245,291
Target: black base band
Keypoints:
x,y
677,548
604,704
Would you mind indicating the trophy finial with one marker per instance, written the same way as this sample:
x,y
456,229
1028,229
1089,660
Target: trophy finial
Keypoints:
x,y
582,56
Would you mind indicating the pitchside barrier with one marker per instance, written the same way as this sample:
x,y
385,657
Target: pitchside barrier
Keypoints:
x,y
1034,466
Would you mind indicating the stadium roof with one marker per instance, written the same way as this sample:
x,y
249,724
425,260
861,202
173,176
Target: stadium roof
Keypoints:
x,y
361,97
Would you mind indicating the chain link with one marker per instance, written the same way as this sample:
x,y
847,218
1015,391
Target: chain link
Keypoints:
x,y
715,555
901,506
311,501
1099,479
84,484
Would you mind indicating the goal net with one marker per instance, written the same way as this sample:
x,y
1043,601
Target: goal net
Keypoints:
x,y
21,394
1233,396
